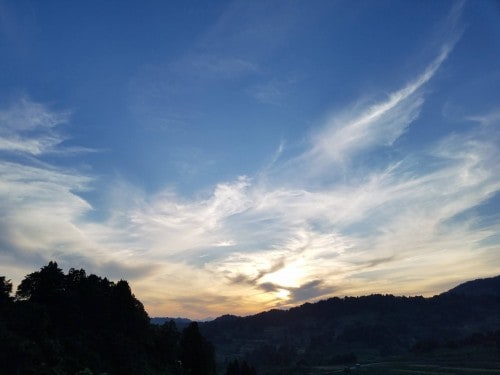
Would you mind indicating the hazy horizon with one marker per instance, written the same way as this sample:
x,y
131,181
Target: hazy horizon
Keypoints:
x,y
233,157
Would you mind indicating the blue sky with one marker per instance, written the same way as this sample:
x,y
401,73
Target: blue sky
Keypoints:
x,y
235,156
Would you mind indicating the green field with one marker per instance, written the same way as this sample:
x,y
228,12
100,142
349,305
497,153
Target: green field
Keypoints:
x,y
420,368
407,368
473,361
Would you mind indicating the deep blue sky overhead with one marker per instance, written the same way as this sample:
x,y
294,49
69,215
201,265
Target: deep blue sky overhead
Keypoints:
x,y
233,156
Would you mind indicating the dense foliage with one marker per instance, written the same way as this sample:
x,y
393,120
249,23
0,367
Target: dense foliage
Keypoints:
x,y
76,323
236,367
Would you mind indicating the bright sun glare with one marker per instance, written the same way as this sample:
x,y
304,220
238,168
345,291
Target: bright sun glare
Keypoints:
x,y
289,276
283,294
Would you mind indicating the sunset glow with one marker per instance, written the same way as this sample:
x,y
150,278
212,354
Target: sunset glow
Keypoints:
x,y
238,156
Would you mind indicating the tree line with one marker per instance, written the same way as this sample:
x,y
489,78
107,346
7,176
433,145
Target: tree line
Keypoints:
x,y
75,323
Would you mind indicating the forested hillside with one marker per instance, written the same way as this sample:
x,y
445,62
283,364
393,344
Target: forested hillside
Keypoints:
x,y
479,287
343,331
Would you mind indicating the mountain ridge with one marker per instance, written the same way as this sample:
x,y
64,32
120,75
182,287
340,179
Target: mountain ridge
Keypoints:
x,y
365,328
478,287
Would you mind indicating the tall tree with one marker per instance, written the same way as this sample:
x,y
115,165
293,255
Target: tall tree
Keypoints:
x,y
42,286
5,289
236,368
197,354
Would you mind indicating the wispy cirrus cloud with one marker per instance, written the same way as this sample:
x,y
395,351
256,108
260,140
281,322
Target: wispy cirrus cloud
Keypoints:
x,y
365,127
38,201
272,92
44,215
404,215
287,243
27,127
299,229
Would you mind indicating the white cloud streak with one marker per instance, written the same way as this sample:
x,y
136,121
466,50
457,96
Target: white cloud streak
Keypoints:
x,y
28,127
378,125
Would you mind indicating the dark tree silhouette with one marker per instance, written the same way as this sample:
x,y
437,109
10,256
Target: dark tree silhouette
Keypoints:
x,y
5,289
236,368
233,368
42,286
197,354
246,369
84,324
167,343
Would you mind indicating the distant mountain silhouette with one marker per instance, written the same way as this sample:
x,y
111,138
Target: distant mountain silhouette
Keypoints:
x,y
478,287
349,329
180,323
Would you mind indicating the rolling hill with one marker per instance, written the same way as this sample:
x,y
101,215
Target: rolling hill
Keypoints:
x,y
340,331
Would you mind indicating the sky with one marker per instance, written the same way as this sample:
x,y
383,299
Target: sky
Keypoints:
x,y
237,156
